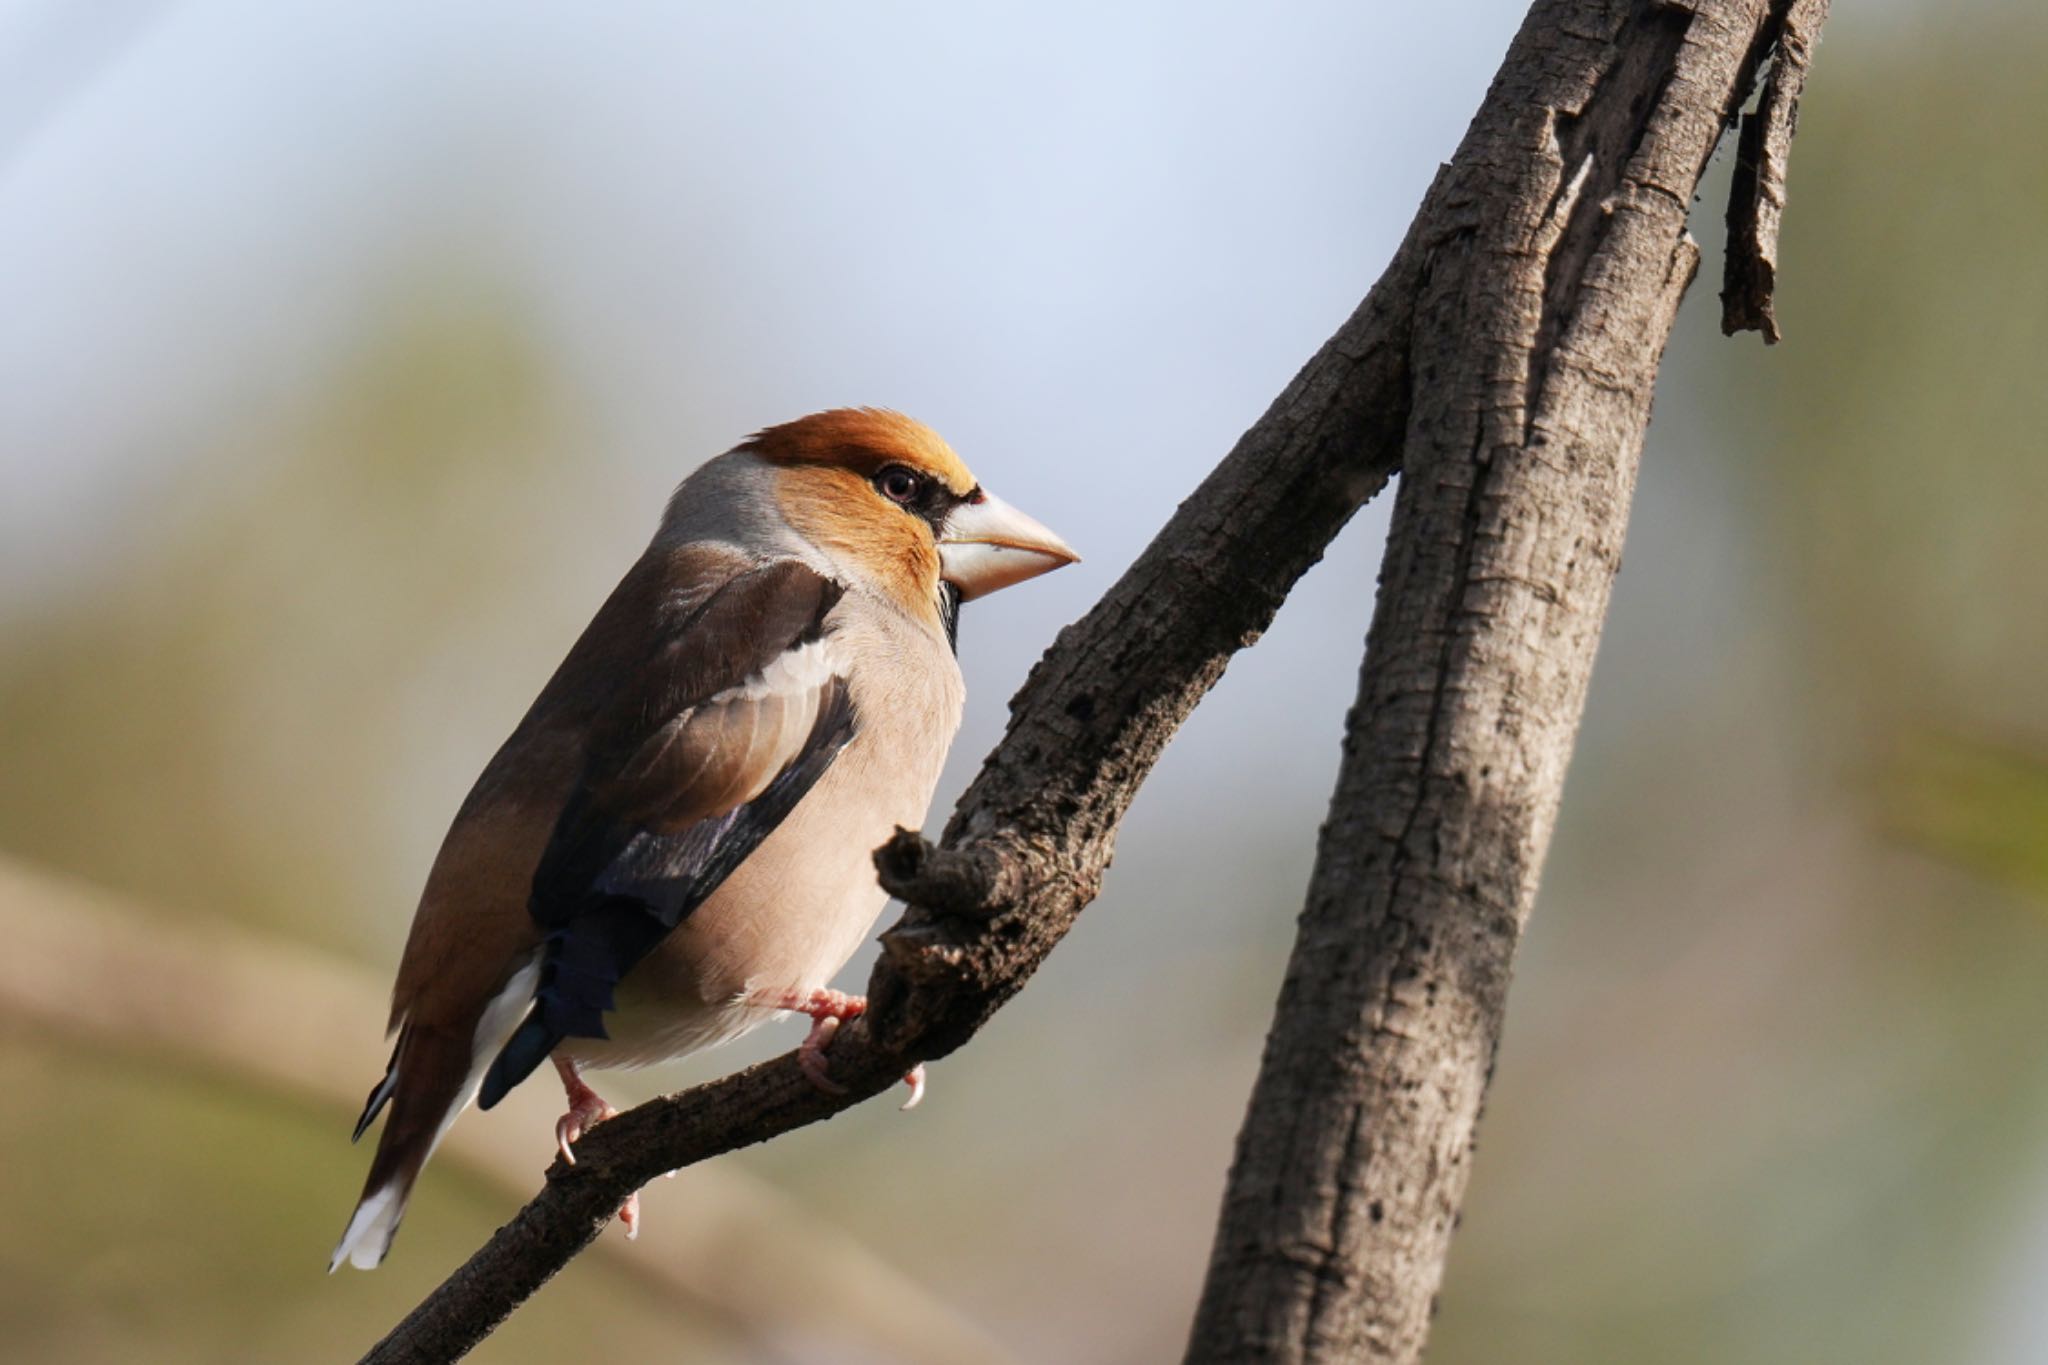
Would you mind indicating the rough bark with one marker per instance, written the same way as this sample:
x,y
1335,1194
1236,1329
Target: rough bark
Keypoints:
x,y
1506,355
1553,263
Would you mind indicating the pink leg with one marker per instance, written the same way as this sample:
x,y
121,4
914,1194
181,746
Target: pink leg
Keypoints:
x,y
587,1109
827,1008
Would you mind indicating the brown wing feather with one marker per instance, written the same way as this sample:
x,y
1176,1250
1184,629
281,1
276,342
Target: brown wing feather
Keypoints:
x,y
636,699
472,929
691,766
711,758
683,738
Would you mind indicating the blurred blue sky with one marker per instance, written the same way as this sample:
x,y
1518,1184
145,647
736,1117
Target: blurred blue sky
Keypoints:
x,y
1071,246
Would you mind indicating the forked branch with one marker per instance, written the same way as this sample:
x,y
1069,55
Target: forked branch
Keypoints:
x,y
1504,359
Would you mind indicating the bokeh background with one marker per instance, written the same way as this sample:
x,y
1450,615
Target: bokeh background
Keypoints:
x,y
347,353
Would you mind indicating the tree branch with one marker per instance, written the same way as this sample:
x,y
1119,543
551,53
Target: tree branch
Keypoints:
x,y
1555,258
1506,355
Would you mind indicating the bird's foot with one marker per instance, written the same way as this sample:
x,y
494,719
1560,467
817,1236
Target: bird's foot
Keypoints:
x,y
629,1216
819,1004
810,1055
827,1008
587,1109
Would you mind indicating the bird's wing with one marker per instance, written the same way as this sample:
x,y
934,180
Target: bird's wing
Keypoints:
x,y
695,757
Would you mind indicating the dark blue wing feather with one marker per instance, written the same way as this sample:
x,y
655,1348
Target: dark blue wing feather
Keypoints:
x,y
648,885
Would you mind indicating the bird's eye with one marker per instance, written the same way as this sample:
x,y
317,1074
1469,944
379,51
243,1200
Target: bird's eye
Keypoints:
x,y
898,484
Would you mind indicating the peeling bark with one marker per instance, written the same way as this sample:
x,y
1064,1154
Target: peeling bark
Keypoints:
x,y
1756,198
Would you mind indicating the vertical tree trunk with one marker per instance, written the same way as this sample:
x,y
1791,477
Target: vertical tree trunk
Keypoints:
x,y
1554,256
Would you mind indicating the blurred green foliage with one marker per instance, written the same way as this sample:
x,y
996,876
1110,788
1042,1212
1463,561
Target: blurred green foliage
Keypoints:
x,y
205,720
1894,439
1979,805
165,1217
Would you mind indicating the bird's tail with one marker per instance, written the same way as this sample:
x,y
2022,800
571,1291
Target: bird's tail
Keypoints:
x,y
433,1076
427,1085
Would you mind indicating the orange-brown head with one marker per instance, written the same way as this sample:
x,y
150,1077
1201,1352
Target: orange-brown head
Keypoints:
x,y
884,492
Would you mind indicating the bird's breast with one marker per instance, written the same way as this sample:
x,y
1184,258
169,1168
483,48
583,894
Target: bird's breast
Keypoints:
x,y
794,911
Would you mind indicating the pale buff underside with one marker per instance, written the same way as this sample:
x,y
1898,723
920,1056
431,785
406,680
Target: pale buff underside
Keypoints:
x,y
789,917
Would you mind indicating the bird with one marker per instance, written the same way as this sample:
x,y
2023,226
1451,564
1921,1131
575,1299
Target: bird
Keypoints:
x,y
675,843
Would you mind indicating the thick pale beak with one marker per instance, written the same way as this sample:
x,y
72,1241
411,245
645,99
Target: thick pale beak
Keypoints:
x,y
990,544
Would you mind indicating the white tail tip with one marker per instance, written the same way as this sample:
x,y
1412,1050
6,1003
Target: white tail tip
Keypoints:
x,y
370,1231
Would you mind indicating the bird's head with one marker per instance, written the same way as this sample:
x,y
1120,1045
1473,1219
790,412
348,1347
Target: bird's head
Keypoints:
x,y
886,495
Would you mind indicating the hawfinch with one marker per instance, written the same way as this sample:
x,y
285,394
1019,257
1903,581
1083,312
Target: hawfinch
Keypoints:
x,y
675,844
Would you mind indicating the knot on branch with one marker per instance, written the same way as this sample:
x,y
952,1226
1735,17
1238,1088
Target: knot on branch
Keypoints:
x,y
931,950
976,882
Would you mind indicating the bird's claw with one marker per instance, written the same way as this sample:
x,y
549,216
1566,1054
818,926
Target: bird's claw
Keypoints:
x,y
810,1055
587,1109
629,1216
817,1068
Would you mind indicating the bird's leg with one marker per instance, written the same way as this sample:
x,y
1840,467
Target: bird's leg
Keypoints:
x,y
587,1109
827,1008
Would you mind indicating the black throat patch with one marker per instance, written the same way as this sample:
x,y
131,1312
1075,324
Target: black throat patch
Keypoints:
x,y
949,612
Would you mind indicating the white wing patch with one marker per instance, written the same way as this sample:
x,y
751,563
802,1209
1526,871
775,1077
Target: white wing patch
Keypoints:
x,y
794,673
